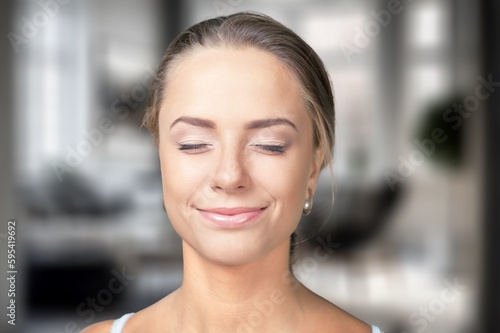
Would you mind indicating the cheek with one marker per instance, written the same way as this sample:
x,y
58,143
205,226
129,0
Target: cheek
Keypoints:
x,y
175,179
286,181
184,180
177,184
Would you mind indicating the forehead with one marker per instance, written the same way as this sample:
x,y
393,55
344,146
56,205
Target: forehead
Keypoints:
x,y
235,81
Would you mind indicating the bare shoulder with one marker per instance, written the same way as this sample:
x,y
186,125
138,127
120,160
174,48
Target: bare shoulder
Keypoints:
x,y
100,327
153,317
331,317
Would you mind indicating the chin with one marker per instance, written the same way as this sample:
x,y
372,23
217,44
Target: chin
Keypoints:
x,y
233,260
231,251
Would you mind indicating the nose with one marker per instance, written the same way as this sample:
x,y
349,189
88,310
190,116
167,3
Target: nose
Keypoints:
x,y
231,174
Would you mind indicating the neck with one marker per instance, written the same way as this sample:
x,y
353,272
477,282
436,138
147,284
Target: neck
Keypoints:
x,y
221,298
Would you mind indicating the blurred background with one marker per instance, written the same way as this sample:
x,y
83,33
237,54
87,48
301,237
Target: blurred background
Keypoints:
x,y
409,243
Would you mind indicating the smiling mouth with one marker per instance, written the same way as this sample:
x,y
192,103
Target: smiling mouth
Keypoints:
x,y
231,218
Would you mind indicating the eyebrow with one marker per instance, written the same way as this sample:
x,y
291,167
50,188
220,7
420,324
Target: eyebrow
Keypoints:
x,y
263,123
255,124
200,122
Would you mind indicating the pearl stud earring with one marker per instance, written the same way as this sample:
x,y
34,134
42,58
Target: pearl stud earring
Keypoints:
x,y
307,207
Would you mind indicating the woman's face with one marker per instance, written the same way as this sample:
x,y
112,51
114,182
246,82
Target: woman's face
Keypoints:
x,y
236,153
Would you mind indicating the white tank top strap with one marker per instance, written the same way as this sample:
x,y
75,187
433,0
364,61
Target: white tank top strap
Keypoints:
x,y
375,329
119,324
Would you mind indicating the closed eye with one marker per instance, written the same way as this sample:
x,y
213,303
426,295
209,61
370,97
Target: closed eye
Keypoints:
x,y
277,149
194,147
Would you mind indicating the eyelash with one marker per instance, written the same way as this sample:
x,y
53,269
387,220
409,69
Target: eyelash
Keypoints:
x,y
277,149
192,147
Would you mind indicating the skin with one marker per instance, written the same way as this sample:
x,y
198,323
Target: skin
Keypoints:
x,y
234,132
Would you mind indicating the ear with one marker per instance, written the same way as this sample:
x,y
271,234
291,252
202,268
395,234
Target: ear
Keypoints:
x,y
316,163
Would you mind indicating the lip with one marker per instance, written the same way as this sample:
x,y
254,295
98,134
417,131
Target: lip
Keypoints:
x,y
232,218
